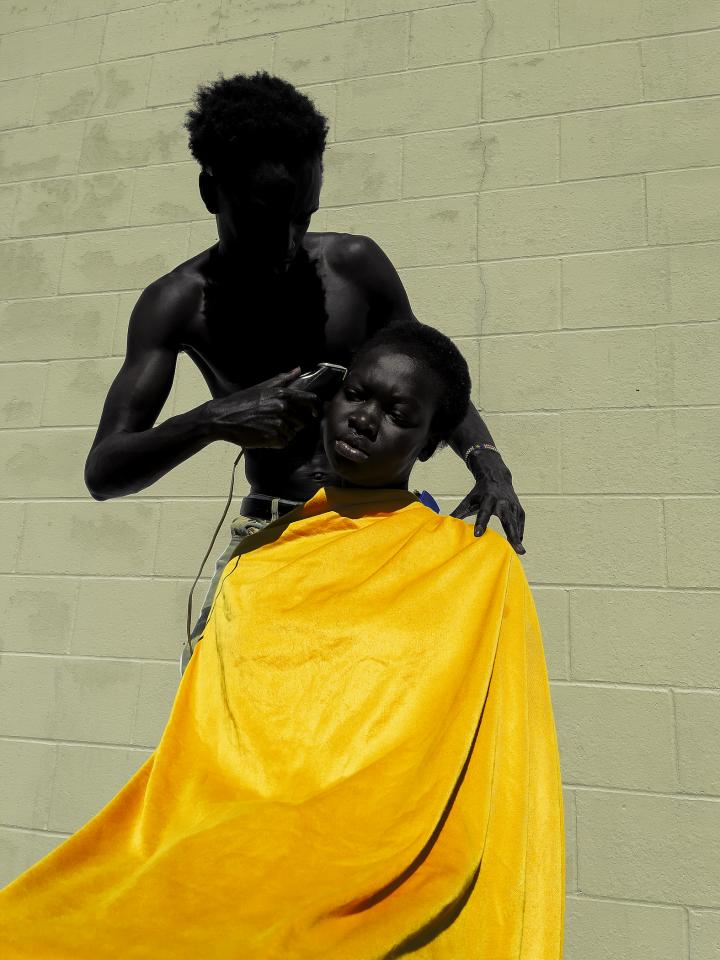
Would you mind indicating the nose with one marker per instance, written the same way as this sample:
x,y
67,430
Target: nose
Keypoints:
x,y
363,420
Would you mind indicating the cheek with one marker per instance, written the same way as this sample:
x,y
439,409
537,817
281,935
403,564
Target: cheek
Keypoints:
x,y
338,407
406,443
333,414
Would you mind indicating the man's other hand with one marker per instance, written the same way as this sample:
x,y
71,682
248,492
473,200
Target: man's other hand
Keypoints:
x,y
493,493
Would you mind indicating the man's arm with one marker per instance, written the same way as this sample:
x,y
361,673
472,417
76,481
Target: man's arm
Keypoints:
x,y
128,453
493,492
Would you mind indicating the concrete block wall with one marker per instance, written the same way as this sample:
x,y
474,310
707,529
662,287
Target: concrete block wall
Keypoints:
x,y
545,175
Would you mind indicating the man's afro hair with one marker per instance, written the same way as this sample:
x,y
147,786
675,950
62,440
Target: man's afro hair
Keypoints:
x,y
440,355
240,121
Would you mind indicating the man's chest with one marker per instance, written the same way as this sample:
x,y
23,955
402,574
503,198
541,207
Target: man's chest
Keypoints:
x,y
316,315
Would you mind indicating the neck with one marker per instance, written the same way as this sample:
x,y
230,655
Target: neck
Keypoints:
x,y
233,267
388,485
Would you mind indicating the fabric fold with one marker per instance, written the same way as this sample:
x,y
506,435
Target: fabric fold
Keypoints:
x,y
360,763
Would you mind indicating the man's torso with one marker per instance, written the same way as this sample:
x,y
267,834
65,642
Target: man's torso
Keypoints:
x,y
319,311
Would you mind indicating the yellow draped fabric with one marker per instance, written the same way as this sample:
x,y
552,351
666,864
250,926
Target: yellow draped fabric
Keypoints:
x,y
361,763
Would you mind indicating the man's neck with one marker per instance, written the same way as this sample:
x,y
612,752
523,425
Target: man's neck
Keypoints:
x,y
231,266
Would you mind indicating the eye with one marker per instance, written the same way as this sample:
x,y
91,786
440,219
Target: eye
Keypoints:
x,y
351,393
400,420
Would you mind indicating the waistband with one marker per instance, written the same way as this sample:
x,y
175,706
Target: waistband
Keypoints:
x,y
261,506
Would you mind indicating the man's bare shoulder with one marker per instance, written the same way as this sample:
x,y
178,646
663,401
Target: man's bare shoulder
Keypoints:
x,y
348,253
183,280
362,261
171,301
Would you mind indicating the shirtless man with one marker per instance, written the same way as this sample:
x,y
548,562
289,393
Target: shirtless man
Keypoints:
x,y
268,300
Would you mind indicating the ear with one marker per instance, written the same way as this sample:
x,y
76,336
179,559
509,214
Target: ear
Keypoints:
x,y
429,448
208,191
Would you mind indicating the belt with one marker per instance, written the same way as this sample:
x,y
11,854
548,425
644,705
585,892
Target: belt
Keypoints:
x,y
259,506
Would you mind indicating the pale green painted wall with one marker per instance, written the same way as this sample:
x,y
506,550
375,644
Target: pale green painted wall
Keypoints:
x,y
545,175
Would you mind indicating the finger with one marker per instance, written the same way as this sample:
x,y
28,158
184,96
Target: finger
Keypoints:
x,y
303,419
285,407
303,398
521,521
487,508
291,427
463,509
511,525
283,430
292,414
298,423
508,519
285,377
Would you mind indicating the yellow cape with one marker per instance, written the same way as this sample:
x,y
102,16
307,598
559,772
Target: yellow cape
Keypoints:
x,y
360,763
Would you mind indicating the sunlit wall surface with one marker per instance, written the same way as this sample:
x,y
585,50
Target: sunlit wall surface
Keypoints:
x,y
545,176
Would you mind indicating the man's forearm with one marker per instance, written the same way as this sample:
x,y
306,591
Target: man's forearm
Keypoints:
x,y
471,430
125,462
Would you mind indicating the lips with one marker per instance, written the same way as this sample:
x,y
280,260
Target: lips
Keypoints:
x,y
351,449
354,441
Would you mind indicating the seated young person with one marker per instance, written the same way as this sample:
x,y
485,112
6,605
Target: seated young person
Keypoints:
x,y
361,759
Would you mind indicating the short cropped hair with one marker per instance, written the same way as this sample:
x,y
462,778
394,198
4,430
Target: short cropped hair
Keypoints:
x,y
440,355
240,121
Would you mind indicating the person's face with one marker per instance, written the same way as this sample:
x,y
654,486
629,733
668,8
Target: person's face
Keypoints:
x,y
378,423
263,218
